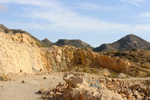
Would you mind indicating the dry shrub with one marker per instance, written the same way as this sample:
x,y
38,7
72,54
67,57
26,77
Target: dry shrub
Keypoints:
x,y
4,78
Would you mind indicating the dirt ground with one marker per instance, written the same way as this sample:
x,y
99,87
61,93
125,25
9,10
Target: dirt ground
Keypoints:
x,y
16,90
27,87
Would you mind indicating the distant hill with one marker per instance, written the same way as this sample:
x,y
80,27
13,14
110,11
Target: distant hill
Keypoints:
x,y
104,48
126,43
76,43
47,42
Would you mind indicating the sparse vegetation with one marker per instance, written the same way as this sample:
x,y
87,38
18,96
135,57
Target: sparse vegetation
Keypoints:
x,y
134,49
114,75
4,78
139,58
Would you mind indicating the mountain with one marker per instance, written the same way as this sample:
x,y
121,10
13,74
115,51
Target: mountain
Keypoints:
x,y
126,43
104,48
47,42
76,43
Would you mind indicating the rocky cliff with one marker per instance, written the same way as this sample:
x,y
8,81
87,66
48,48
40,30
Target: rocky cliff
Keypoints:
x,y
20,53
65,57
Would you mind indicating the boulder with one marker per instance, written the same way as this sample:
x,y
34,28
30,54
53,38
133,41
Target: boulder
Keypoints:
x,y
78,89
122,75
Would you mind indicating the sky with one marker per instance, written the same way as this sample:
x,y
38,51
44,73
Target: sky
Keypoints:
x,y
93,21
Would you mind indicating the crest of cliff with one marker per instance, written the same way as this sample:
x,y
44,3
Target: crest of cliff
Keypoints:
x,y
4,29
126,43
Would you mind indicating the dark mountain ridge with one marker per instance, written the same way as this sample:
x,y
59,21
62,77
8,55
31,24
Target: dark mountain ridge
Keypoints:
x,y
126,43
47,42
75,42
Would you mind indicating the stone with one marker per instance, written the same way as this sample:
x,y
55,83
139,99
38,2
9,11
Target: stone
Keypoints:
x,y
105,72
110,95
44,77
123,95
137,95
135,87
122,75
75,81
23,81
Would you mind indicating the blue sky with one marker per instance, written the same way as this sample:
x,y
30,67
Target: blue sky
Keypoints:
x,y
92,21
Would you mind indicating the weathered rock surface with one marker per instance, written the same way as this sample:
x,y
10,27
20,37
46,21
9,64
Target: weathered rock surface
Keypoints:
x,y
68,57
78,87
19,52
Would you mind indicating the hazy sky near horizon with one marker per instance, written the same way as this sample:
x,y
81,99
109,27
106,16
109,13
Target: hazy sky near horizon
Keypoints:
x,y
92,21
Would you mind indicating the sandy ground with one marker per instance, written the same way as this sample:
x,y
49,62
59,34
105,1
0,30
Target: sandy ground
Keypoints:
x,y
16,90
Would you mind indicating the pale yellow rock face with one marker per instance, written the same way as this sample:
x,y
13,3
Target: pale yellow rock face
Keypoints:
x,y
67,57
19,52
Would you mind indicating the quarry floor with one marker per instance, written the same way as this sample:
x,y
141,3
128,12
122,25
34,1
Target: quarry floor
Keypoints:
x,y
17,90
26,87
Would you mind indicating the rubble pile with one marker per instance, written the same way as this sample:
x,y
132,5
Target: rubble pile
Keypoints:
x,y
129,89
82,86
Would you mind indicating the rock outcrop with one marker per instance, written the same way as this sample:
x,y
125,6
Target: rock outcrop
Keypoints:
x,y
19,53
82,86
78,87
69,57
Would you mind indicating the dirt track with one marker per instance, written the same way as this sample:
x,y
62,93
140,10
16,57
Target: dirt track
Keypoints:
x,y
16,90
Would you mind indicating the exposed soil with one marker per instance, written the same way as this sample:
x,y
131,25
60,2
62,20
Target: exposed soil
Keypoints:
x,y
26,88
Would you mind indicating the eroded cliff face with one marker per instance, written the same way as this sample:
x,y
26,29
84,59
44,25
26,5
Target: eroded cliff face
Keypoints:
x,y
20,53
60,58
